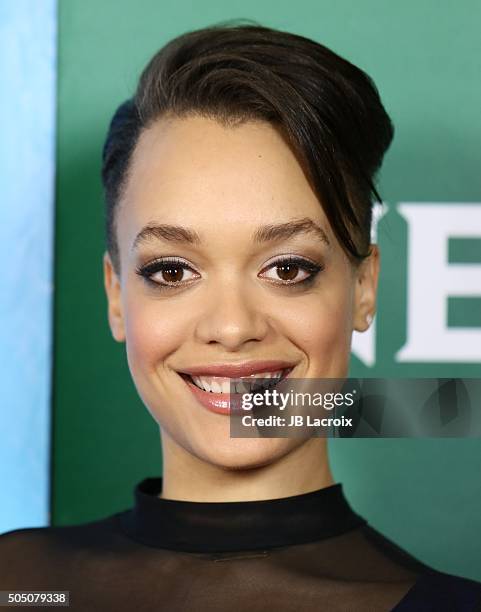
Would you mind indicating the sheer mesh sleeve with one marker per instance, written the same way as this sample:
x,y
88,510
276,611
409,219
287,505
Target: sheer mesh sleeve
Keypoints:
x,y
104,570
309,552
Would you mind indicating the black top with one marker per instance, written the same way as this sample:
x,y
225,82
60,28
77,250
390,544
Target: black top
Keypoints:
x,y
307,552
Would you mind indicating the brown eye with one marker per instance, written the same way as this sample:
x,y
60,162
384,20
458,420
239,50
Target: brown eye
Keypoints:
x,y
172,275
292,271
287,272
165,273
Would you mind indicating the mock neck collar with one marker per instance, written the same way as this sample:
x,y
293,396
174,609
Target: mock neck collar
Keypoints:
x,y
206,527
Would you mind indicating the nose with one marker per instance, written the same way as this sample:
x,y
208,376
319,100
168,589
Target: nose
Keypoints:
x,y
231,318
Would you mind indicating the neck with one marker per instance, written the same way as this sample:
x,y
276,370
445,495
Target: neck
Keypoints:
x,y
189,478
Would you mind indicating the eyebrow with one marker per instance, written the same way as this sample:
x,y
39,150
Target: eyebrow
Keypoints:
x,y
266,233
280,231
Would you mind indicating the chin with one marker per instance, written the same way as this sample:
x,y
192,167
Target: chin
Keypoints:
x,y
246,453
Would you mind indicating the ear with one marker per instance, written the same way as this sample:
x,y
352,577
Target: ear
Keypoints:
x,y
112,289
366,277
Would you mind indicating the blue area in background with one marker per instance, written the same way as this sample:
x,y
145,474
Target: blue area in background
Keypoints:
x,y
27,170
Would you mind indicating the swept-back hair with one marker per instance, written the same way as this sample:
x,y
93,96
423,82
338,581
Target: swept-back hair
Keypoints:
x,y
328,110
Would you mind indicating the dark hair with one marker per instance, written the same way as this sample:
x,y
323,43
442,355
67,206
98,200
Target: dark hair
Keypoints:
x,y
328,110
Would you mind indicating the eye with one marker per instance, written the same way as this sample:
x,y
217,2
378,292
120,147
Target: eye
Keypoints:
x,y
169,272
292,271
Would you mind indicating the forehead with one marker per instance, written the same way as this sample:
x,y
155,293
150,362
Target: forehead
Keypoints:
x,y
194,170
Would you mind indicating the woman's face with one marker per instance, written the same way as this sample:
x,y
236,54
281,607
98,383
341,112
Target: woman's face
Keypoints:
x,y
228,206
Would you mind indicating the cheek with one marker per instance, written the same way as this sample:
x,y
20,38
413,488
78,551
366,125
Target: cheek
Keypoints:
x,y
153,331
321,327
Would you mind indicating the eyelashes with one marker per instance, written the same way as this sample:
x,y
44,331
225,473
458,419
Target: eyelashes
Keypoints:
x,y
290,267
171,271
167,265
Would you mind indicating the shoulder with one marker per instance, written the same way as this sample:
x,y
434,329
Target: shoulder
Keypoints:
x,y
84,534
440,592
43,554
433,590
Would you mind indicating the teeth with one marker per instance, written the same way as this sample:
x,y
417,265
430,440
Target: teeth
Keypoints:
x,y
241,386
215,387
247,384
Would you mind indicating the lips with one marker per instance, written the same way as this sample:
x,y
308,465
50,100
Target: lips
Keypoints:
x,y
237,370
224,403
245,384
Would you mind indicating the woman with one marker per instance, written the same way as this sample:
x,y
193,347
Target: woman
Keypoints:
x,y
239,188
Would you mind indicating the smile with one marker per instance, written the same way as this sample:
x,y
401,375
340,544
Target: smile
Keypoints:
x,y
218,384
217,391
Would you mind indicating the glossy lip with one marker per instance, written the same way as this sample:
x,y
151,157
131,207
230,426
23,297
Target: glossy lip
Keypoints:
x,y
223,403
238,370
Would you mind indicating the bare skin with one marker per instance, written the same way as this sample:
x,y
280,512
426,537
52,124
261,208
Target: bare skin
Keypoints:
x,y
230,304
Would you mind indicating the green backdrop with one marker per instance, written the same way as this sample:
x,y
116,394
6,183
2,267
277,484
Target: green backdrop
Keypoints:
x,y
425,59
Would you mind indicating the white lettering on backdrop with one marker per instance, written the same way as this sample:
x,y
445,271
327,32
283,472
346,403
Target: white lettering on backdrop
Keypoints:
x,y
431,281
